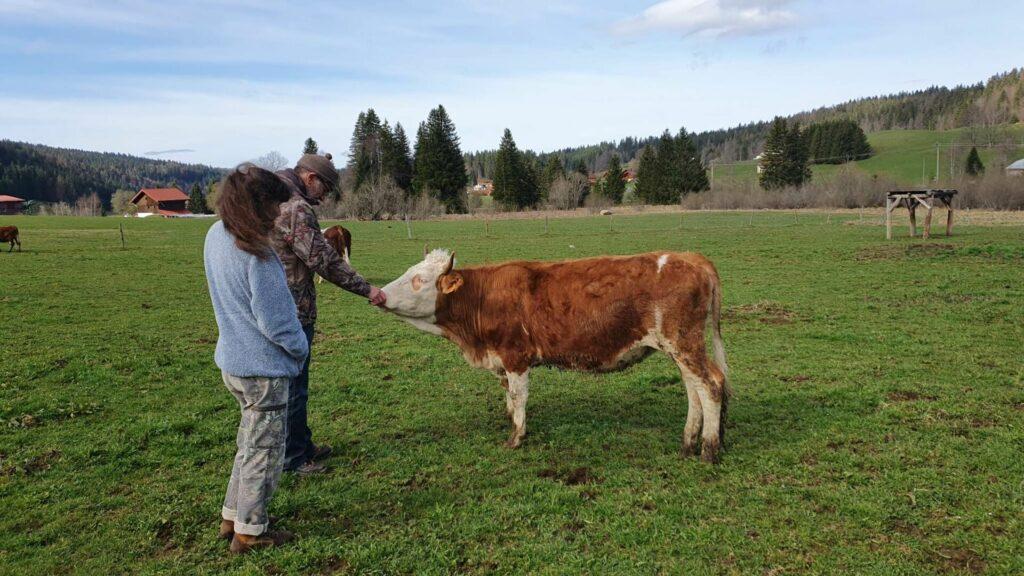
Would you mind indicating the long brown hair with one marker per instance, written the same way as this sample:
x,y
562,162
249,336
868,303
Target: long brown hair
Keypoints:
x,y
248,203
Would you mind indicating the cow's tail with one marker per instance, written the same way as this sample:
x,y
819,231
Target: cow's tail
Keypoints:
x,y
717,346
718,349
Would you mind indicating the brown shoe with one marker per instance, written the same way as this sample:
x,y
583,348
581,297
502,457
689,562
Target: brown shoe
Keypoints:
x,y
227,529
243,543
321,452
310,468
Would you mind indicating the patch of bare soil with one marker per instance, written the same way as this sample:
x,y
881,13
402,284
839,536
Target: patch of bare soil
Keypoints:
x,y
900,251
907,396
959,560
574,477
764,312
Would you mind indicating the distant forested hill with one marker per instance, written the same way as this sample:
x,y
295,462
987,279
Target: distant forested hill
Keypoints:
x,y
998,101
37,172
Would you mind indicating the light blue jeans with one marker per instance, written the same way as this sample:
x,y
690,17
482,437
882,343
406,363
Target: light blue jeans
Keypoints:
x,y
260,456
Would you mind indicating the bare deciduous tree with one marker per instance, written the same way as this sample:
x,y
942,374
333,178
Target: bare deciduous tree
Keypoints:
x,y
567,191
89,206
272,161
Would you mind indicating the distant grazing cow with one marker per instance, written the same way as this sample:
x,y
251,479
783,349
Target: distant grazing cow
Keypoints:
x,y
596,314
341,240
10,234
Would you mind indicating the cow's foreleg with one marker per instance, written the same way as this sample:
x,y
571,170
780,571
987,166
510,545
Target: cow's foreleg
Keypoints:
x,y
694,412
518,392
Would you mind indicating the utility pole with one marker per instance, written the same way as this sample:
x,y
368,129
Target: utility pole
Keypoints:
x,y
711,186
936,162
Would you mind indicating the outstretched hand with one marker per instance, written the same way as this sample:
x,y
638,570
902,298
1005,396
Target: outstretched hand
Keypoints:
x,y
377,297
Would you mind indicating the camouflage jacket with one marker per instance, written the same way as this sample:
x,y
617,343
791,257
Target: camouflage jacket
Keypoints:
x,y
302,249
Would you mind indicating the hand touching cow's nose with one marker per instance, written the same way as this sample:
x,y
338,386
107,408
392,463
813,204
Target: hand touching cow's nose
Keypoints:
x,y
377,297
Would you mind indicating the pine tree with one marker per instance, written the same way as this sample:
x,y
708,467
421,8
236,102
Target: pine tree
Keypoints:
x,y
694,175
798,171
553,170
311,147
974,166
614,185
647,176
669,168
515,181
530,193
773,158
582,168
196,200
401,169
438,166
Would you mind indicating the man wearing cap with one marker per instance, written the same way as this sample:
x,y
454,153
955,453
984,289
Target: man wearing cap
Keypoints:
x,y
302,249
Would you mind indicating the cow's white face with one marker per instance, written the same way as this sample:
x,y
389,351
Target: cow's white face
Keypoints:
x,y
414,294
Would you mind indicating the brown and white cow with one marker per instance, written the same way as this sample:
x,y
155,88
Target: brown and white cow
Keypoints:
x,y
341,240
10,234
595,314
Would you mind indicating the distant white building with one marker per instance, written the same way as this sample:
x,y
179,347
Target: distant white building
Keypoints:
x,y
1016,169
759,157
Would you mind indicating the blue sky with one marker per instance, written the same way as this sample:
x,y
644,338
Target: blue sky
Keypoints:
x,y
223,81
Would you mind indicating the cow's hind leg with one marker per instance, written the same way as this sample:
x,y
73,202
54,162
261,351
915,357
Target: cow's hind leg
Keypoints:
x,y
518,392
509,404
709,384
694,413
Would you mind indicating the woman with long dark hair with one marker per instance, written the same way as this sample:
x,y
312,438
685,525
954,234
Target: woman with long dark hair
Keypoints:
x,y
260,347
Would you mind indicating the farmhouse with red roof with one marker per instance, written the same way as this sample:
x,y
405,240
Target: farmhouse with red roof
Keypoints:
x,y
10,204
168,202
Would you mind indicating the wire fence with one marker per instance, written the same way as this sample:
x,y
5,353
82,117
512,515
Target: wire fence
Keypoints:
x,y
485,228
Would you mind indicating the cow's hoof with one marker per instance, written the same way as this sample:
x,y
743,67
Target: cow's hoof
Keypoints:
x,y
710,452
514,442
691,449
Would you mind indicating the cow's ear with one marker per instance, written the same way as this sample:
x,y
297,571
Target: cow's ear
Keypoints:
x,y
451,282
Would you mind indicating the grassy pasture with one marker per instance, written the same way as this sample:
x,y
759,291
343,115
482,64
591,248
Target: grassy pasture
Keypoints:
x,y
877,428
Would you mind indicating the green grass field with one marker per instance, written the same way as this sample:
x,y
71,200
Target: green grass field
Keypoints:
x,y
877,427
907,156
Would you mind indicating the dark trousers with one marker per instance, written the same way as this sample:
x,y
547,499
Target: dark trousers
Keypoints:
x,y
299,445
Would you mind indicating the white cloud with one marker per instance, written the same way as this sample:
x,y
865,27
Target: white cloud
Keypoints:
x,y
711,18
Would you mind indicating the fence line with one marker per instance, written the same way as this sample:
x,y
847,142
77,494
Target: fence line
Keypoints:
x,y
737,219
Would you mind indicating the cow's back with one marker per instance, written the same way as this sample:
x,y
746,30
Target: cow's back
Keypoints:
x,y
579,313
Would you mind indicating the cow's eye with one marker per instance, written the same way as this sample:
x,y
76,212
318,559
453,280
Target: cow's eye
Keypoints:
x,y
417,283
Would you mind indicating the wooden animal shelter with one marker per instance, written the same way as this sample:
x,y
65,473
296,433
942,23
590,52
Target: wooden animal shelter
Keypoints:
x,y
911,199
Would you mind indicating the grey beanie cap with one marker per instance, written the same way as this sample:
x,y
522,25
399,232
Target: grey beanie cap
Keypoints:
x,y
322,166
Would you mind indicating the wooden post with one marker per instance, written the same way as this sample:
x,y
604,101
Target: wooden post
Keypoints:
x,y
949,218
408,227
122,235
912,206
928,222
545,224
888,217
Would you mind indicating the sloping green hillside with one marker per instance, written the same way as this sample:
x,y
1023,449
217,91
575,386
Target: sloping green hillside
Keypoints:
x,y
908,156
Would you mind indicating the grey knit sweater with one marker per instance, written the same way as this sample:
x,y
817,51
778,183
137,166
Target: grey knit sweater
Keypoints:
x,y
260,334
